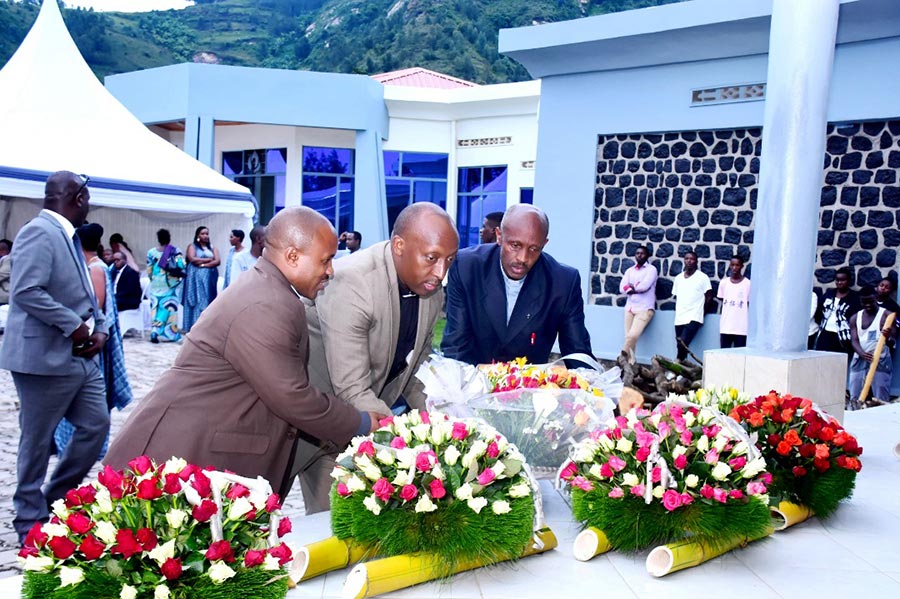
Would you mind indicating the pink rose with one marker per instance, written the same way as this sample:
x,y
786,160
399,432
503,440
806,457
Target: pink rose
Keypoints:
x,y
720,495
656,474
736,494
342,490
408,492
638,490
460,431
616,463
424,416
582,483
493,450
737,463
273,502
686,437
663,429
425,461
237,490
686,499
616,493
437,489
140,465
756,489
284,526
386,421
366,448
398,443
642,454
712,456
569,471
671,500
606,470
383,489
486,477
645,439
706,492
681,461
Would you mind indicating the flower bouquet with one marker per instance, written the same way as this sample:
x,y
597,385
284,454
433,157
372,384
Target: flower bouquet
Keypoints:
x,y
680,473
159,531
439,494
542,409
813,460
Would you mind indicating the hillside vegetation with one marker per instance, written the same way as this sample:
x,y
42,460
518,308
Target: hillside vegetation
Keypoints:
x,y
457,37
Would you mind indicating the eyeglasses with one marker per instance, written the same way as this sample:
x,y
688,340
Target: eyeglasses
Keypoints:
x,y
85,180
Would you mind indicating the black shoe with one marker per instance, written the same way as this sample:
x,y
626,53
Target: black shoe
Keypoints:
x,y
154,338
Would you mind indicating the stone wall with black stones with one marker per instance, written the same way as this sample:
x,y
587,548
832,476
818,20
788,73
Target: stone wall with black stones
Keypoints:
x,y
697,190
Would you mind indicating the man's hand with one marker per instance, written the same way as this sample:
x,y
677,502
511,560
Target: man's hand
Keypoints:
x,y
92,347
343,237
868,357
80,337
375,418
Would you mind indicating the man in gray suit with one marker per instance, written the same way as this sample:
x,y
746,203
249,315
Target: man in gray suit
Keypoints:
x,y
53,335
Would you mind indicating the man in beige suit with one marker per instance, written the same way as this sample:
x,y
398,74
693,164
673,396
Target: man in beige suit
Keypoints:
x,y
238,392
372,328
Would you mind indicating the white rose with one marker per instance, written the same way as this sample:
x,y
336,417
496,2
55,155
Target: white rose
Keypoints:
x,y
105,531
596,471
385,457
498,469
239,508
689,418
406,457
270,563
59,508
176,517
631,418
338,472
127,592
402,430
740,448
606,443
191,494
425,504
721,441
691,480
451,455
421,432
370,470
584,452
464,492
625,445
440,432
355,483
55,530
371,503
477,504
514,454
520,490
476,451
753,467
703,443
33,563
658,491
161,553
161,592
679,450
721,471
103,504
437,472
655,418
220,572
174,466
630,479
500,507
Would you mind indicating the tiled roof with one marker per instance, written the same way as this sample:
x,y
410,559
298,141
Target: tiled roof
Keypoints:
x,y
419,77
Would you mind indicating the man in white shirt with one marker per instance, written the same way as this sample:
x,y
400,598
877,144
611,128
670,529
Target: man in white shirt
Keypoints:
x,y
692,291
245,260
236,239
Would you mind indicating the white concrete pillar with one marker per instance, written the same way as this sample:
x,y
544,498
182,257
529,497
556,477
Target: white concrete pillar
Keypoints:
x,y
370,204
801,57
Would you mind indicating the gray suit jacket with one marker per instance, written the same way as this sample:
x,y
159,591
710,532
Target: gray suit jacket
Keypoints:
x,y
50,296
353,329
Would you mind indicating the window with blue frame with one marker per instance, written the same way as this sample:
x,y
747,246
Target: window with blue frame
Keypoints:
x,y
526,195
481,190
413,177
328,184
263,172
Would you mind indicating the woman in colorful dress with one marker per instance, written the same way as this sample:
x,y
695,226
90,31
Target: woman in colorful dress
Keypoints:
x,y
166,267
202,277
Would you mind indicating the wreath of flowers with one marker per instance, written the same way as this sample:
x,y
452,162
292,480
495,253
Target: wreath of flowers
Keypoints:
x,y
812,458
148,531
656,477
428,482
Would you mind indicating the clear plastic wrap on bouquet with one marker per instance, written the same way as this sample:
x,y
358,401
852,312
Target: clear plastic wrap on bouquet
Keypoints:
x,y
543,409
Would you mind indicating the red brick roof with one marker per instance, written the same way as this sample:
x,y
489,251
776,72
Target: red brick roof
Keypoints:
x,y
419,77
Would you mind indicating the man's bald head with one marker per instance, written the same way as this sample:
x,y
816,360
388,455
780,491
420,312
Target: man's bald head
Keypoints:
x,y
295,227
412,217
67,194
301,243
526,215
522,237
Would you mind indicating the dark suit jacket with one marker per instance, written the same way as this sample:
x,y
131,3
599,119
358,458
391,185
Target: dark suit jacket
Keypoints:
x,y
550,304
128,288
238,390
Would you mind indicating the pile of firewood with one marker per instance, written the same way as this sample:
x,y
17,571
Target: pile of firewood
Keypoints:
x,y
662,377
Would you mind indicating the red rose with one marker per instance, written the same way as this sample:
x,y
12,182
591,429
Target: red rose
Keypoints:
x,y
36,537
827,433
437,489
126,543
851,447
72,498
88,494
28,551
147,539
204,511
171,568
284,526
273,503
783,448
773,439
172,484
91,548
821,464
282,553
202,485
62,547
149,489
254,558
113,481
141,465
807,450
220,550
798,471
187,471
79,523
237,490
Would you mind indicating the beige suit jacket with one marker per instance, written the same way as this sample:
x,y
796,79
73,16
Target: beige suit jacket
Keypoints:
x,y
353,330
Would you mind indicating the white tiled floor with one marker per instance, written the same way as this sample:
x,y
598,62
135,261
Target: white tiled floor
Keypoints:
x,y
857,550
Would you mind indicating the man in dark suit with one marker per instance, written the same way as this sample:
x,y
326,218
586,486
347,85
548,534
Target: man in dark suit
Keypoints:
x,y
238,392
53,335
126,283
509,299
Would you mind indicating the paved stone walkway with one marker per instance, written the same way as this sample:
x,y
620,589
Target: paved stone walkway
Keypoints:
x,y
145,363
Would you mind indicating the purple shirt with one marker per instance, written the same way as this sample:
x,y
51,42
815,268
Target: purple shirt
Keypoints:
x,y
643,280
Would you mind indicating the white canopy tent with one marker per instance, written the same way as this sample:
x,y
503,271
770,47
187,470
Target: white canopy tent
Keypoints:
x,y
56,115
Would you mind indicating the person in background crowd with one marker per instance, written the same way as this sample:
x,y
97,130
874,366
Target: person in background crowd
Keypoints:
x,y
639,283
866,327
735,295
838,305
352,240
5,247
165,265
57,332
488,231
245,260
112,358
105,255
238,393
885,295
257,242
693,292
117,244
126,284
201,279
236,239
814,324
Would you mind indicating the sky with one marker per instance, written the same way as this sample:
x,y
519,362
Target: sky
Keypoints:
x,y
128,5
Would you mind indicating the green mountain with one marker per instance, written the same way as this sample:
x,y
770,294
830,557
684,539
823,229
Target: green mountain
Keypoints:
x,y
457,37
